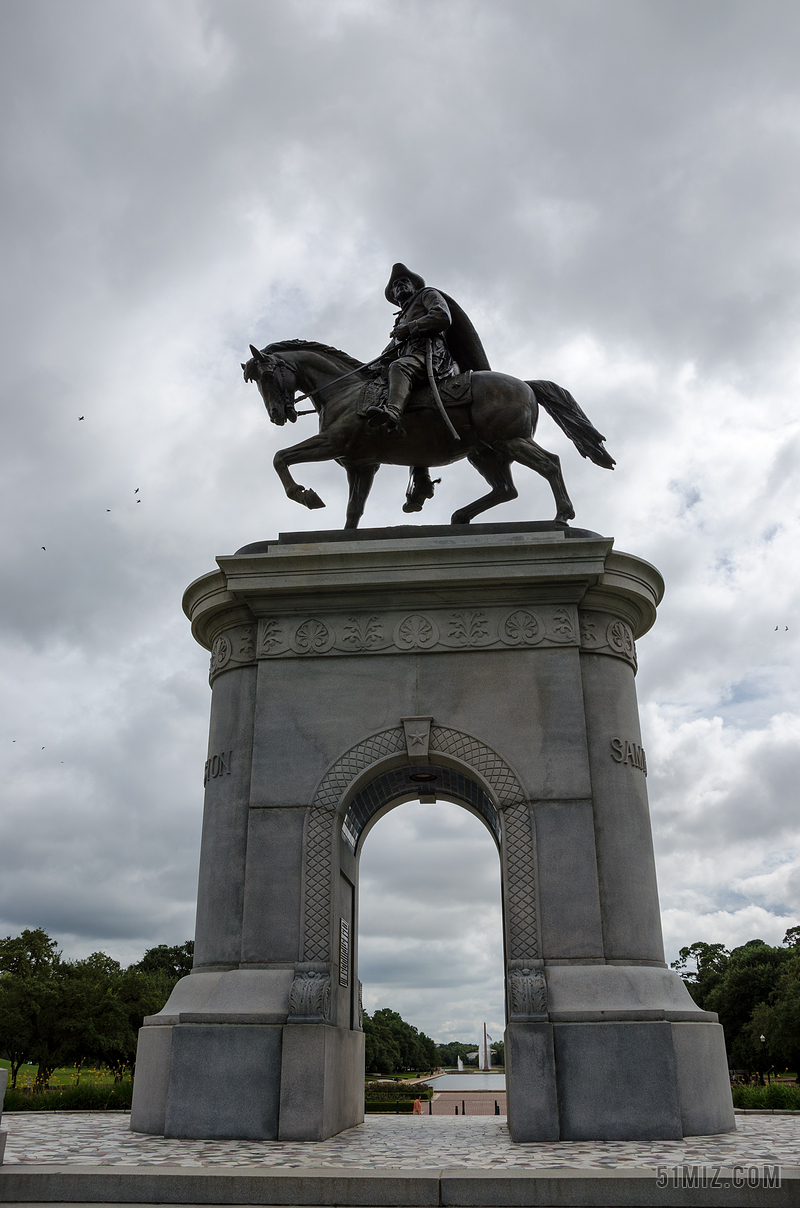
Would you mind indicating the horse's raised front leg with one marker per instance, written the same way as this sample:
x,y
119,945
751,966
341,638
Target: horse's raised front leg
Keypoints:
x,y
496,469
528,453
359,480
316,448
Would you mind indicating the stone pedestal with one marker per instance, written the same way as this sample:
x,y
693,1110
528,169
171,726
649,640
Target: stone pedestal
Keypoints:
x,y
492,665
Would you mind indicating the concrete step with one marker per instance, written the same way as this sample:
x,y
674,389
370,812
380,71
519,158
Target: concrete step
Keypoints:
x,y
332,1187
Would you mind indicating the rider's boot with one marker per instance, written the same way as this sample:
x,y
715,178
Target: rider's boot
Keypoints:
x,y
420,488
401,383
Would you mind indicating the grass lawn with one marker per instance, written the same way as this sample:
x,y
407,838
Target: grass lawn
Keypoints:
x,y
68,1076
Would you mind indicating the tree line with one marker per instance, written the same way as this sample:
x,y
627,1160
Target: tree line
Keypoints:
x,y
755,990
393,1045
56,1012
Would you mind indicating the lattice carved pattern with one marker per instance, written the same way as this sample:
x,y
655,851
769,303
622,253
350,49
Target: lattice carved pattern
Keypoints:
x,y
523,926
338,779
319,832
361,756
483,759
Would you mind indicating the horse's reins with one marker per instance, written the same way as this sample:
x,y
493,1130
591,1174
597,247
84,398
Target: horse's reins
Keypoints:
x,y
437,398
311,393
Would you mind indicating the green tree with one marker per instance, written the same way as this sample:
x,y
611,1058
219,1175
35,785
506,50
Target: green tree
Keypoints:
x,y
750,977
175,961
710,962
31,976
778,1021
16,1036
392,1044
55,1012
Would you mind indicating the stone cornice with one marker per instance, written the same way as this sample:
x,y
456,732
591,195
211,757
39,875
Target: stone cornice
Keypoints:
x,y
500,576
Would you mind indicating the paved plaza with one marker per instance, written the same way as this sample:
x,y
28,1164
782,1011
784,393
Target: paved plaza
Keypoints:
x,y
384,1142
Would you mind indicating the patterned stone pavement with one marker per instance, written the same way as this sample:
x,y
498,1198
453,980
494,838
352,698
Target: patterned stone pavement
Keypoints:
x,y
100,1139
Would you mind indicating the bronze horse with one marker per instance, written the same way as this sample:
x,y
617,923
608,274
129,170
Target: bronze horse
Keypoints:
x,y
495,425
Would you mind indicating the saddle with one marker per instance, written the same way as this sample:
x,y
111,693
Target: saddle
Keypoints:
x,y
456,391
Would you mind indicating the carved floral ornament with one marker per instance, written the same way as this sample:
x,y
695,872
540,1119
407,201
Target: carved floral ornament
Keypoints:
x,y
432,630
398,632
527,993
310,997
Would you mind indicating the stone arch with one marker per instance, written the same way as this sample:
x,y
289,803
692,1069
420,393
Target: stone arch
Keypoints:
x,y
470,772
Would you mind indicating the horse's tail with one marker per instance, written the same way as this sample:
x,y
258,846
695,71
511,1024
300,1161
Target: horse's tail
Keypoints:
x,y
561,406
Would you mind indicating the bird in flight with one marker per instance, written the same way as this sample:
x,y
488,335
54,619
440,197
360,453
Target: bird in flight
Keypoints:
x,y
44,548
81,417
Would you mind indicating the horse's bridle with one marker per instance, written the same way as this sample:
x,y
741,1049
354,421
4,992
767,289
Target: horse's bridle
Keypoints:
x,y
284,378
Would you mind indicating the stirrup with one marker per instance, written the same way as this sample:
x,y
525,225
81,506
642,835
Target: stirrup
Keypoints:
x,y
418,498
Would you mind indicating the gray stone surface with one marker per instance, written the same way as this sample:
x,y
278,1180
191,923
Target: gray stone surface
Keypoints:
x,y
273,885
571,922
624,843
223,851
597,992
517,644
415,532
421,1188
242,995
322,1084
531,1096
224,1081
151,1084
704,1091
616,1081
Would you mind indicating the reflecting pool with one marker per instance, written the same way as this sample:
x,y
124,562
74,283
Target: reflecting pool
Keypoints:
x,y
468,1082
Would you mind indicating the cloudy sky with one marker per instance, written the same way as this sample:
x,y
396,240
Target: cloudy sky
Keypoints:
x,y
611,188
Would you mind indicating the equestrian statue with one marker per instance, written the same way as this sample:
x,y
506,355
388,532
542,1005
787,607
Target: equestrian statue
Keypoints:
x,y
429,399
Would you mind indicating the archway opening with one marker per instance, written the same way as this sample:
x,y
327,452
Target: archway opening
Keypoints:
x,y
430,943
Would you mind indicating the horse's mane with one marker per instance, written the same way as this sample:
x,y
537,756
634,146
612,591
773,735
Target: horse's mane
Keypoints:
x,y
289,345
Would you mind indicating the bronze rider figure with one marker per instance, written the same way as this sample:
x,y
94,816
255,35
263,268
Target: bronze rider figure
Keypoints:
x,y
425,314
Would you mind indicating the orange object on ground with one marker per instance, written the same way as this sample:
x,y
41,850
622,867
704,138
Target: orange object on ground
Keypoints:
x,y
417,1109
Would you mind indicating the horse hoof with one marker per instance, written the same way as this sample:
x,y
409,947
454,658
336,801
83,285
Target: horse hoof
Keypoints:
x,y
312,500
457,518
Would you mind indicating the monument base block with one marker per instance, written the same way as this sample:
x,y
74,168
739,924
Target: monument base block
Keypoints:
x,y
298,1082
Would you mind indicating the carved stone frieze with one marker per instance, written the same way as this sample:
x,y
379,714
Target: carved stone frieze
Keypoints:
x,y
602,633
396,632
527,994
235,647
310,998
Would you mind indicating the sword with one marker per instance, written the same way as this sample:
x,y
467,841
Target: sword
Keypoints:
x,y
435,389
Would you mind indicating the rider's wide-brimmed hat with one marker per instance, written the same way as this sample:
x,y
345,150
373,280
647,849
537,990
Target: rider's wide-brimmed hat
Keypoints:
x,y
400,270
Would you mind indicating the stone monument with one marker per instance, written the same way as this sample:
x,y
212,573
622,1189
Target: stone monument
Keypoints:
x,y
491,665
